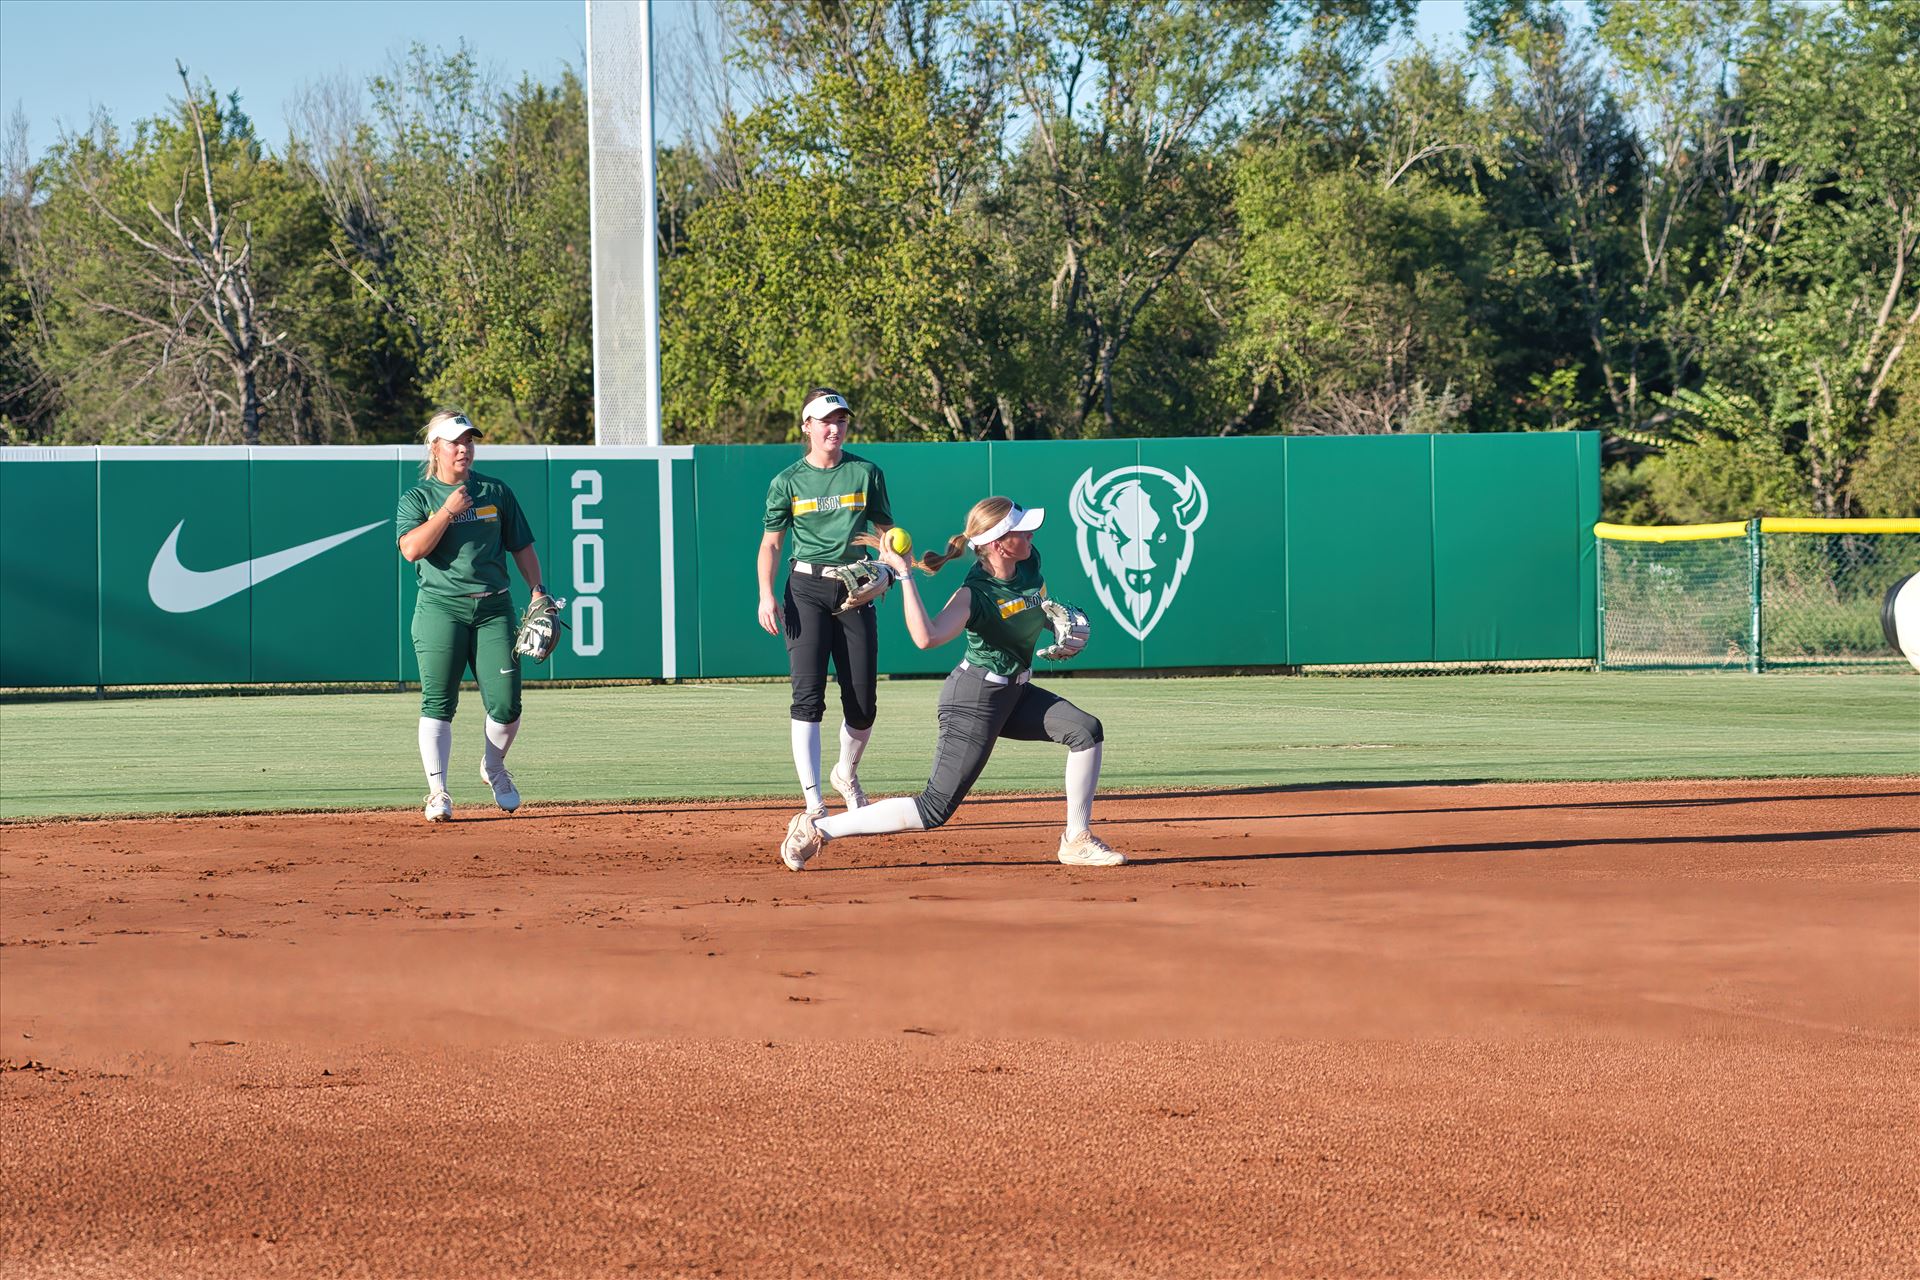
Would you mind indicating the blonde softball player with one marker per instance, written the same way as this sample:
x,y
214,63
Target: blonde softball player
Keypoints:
x,y
823,502
457,527
1003,609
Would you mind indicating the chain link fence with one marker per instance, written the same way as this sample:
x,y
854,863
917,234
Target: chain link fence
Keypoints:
x,y
1751,596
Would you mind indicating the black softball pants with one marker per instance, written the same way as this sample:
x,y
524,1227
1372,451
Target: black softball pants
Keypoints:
x,y
816,633
974,714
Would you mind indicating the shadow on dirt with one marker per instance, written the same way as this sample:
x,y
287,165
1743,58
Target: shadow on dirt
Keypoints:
x,y
1410,851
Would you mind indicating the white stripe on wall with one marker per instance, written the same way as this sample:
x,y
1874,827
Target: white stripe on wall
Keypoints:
x,y
49,453
334,452
669,657
603,451
669,647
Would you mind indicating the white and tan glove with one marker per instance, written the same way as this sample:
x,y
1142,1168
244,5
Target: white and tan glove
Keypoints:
x,y
1070,630
539,629
865,581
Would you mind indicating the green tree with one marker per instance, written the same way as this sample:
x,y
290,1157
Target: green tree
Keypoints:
x,y
1121,178
176,272
846,243
1886,480
1810,318
1365,263
1672,65
27,404
1573,179
336,153
484,223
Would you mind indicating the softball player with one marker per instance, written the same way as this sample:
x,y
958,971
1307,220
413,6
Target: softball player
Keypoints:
x,y
989,696
457,528
824,500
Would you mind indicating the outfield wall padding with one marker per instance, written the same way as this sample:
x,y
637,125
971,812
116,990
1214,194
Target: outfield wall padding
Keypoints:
x,y
278,565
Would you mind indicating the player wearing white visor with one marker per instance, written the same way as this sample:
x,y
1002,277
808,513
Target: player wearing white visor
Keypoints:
x,y
823,502
1005,613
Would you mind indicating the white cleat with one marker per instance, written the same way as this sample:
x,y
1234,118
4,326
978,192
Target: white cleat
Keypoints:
x,y
505,794
439,807
802,842
1089,850
848,785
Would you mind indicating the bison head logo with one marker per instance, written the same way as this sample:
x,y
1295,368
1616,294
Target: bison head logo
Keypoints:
x,y
1136,539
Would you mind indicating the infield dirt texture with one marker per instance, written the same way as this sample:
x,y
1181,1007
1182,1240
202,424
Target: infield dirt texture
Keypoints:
x,y
1344,1024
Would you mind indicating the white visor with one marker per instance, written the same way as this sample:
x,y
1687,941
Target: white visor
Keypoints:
x,y
1018,520
821,406
451,428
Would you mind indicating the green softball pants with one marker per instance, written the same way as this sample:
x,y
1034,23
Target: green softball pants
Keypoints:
x,y
452,634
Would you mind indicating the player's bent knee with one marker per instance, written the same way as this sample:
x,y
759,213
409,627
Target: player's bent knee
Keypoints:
x,y
809,702
935,809
1083,732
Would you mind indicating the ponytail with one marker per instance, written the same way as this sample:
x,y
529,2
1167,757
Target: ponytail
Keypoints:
x,y
932,561
986,513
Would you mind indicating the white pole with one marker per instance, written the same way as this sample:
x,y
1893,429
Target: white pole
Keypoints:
x,y
650,298
593,241
650,329
623,222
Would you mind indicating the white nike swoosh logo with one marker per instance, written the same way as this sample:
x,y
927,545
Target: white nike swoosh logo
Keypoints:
x,y
178,589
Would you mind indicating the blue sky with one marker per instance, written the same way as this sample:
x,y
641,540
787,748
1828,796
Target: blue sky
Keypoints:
x,y
59,59
62,59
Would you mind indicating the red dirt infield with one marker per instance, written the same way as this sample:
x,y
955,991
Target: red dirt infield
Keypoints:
x,y
1661,1029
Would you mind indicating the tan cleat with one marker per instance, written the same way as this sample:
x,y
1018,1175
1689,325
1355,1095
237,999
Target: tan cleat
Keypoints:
x,y
439,807
802,842
848,785
1089,850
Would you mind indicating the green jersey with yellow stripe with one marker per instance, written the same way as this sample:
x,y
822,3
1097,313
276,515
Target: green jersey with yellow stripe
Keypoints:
x,y
825,507
469,558
1004,619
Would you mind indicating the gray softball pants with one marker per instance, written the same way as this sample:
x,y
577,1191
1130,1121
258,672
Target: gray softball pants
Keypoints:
x,y
974,714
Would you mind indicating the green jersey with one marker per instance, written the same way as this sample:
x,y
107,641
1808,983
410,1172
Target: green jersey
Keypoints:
x,y
469,557
1004,619
825,507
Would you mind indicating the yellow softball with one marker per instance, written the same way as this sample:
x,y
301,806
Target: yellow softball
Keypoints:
x,y
899,541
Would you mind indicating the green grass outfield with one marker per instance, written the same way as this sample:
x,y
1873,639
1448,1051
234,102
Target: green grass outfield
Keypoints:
x,y
323,751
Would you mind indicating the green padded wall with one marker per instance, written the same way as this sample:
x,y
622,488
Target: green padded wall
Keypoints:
x,y
1507,535
225,565
1359,549
50,569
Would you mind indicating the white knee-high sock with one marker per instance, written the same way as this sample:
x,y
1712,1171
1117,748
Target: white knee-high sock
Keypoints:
x,y
882,817
499,738
436,746
853,745
1083,775
806,762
